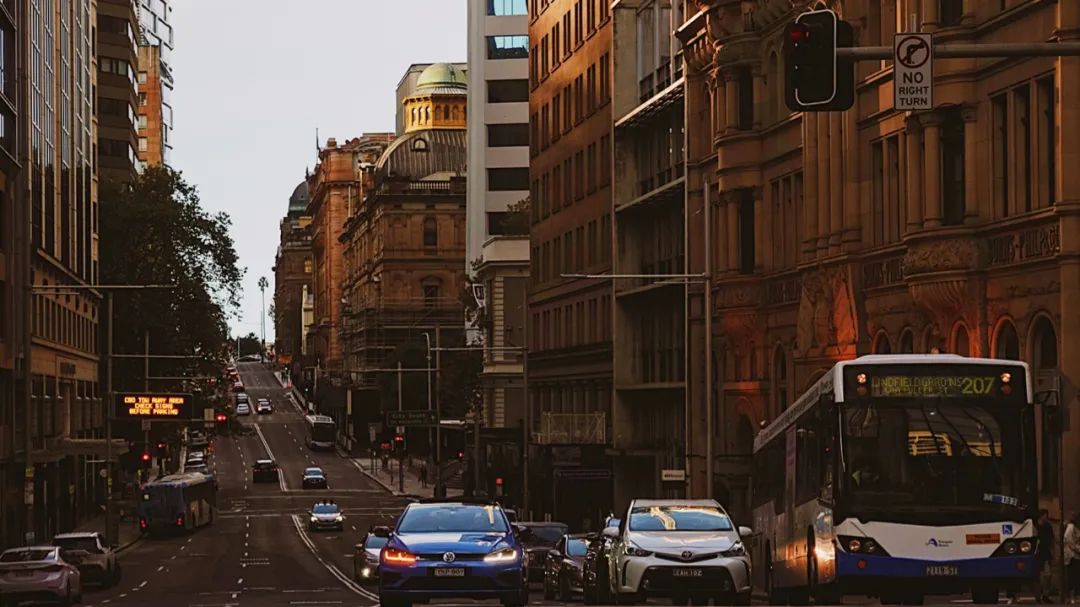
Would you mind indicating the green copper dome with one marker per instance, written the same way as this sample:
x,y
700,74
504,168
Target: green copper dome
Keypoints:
x,y
298,202
442,75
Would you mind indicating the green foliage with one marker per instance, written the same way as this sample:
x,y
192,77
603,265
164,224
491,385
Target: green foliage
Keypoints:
x,y
516,220
155,232
249,344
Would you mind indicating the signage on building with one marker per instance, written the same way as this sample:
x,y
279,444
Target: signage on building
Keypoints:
x,y
154,406
66,369
415,417
913,72
673,475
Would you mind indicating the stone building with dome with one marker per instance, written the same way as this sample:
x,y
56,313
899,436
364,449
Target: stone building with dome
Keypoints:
x,y
404,244
292,279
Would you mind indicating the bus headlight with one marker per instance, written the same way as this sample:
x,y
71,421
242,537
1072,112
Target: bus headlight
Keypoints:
x,y
861,545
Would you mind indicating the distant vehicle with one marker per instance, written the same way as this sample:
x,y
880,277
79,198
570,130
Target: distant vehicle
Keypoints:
x,y
95,559
321,432
36,573
242,397
538,539
265,471
564,567
326,515
366,557
314,478
924,466
197,439
180,502
238,386
195,466
196,454
243,408
264,406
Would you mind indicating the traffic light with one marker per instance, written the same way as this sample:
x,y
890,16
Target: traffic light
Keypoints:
x,y
399,443
146,458
461,456
221,418
161,449
815,80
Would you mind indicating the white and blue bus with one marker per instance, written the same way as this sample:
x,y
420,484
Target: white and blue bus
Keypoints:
x,y
899,476
321,432
178,502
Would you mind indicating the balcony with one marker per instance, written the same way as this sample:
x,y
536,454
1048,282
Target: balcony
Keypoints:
x,y
571,429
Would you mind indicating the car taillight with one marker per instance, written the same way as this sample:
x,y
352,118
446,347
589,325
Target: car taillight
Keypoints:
x,y
398,557
179,521
142,523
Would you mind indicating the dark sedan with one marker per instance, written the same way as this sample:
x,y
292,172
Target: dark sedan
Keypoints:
x,y
538,539
594,568
366,557
565,564
264,471
314,478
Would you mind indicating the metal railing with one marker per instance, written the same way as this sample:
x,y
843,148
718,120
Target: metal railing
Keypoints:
x,y
571,429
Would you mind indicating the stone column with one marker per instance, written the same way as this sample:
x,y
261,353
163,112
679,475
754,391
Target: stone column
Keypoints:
x,y
771,228
913,162
824,190
929,15
760,244
932,170
760,97
731,101
972,212
719,236
810,179
836,181
852,209
716,106
968,17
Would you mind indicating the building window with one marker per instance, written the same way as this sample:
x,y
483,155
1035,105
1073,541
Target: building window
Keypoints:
x,y
143,144
508,179
781,381
508,91
745,87
952,167
882,344
1006,344
307,266
1000,112
142,77
431,232
142,122
1022,105
142,99
504,8
507,47
746,231
508,135
1047,164
430,288
950,12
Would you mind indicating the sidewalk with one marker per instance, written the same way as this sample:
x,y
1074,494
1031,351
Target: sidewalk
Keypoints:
x,y
129,532
388,479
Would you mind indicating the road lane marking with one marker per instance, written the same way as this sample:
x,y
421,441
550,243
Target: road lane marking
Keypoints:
x,y
142,584
239,581
332,568
161,568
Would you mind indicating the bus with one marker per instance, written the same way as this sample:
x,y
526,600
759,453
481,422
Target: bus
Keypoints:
x,y
178,502
899,476
321,432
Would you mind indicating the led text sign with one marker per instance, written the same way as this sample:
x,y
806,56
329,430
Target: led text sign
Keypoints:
x,y
154,406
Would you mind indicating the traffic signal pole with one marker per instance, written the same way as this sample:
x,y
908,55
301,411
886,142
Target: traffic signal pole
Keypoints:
x,y
969,51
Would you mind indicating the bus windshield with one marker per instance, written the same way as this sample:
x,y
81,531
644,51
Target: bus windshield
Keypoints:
x,y
933,454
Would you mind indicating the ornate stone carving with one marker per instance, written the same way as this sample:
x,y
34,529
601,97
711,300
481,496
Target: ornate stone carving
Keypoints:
x,y
941,255
826,311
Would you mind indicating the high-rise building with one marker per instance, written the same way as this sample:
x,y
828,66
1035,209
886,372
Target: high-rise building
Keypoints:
x,y
62,403
496,226
293,267
570,371
118,91
155,82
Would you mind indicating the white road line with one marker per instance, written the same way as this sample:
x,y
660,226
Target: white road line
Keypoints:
x,y
142,584
161,568
334,571
182,547
239,581
233,595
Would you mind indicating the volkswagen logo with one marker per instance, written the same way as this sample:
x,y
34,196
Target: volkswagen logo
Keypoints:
x,y
448,557
687,555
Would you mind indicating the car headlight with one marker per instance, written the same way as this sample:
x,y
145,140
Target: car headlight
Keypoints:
x,y
505,555
392,556
737,549
314,519
632,550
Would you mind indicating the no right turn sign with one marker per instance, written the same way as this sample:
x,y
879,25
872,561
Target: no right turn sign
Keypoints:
x,y
913,71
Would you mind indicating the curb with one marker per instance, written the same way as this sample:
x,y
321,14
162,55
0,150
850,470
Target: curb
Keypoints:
x,y
129,544
378,480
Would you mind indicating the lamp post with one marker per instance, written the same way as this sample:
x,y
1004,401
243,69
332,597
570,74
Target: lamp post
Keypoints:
x,y
262,317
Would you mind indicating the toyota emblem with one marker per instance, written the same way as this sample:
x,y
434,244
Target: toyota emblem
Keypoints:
x,y
687,555
448,557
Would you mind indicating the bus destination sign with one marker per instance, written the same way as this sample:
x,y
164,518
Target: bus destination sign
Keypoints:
x,y
916,386
154,406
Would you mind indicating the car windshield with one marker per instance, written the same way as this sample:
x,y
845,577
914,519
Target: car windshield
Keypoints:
x,y
931,453
313,472
374,542
576,547
25,554
325,509
433,518
264,465
88,544
544,535
678,518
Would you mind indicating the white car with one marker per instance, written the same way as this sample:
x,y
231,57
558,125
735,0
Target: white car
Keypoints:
x,y
36,573
88,551
678,549
243,409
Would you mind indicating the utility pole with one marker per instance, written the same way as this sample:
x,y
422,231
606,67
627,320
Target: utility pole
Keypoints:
x,y
146,388
400,407
262,317
440,490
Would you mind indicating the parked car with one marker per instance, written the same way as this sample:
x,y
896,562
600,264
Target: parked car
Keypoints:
x,y
595,589
95,559
38,573
366,556
564,567
265,471
539,538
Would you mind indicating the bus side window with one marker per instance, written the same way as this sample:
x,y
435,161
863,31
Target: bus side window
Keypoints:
x,y
808,462
827,421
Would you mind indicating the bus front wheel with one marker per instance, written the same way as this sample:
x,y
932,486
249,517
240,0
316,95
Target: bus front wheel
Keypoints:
x,y
984,595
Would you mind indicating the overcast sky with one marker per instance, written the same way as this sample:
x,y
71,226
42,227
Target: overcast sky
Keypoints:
x,y
254,79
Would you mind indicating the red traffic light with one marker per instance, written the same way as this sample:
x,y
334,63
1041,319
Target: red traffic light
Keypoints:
x,y
499,481
145,456
161,446
798,32
461,455
399,438
220,417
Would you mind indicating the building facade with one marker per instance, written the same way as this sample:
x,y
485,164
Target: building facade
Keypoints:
x,y
14,262
118,90
569,367
872,230
155,82
293,269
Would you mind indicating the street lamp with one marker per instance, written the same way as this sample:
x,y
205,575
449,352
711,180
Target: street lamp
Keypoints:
x,y
262,289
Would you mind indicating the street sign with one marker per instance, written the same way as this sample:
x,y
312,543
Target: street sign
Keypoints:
x,y
913,72
145,425
673,475
208,414
171,406
415,417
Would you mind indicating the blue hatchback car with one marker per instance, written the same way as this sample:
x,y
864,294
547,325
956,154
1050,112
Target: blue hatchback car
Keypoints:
x,y
452,549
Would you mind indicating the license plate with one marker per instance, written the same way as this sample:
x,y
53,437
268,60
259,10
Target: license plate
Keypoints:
x,y
942,570
448,572
687,573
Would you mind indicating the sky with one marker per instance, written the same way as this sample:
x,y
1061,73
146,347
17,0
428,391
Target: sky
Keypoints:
x,y
255,79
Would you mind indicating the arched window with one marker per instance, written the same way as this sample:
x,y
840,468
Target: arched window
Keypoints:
x,y
1007,344
446,112
430,287
961,345
744,436
780,381
882,345
907,342
1044,346
431,232
1044,359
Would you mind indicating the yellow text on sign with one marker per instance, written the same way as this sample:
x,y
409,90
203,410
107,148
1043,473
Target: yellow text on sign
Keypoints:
x,y
154,406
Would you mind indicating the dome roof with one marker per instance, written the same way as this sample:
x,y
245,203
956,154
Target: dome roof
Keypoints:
x,y
298,202
421,154
442,75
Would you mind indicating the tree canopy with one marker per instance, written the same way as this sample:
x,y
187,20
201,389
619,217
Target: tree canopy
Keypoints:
x,y
156,232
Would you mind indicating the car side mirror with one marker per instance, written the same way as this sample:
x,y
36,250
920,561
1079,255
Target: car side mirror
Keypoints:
x,y
610,532
380,531
745,531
